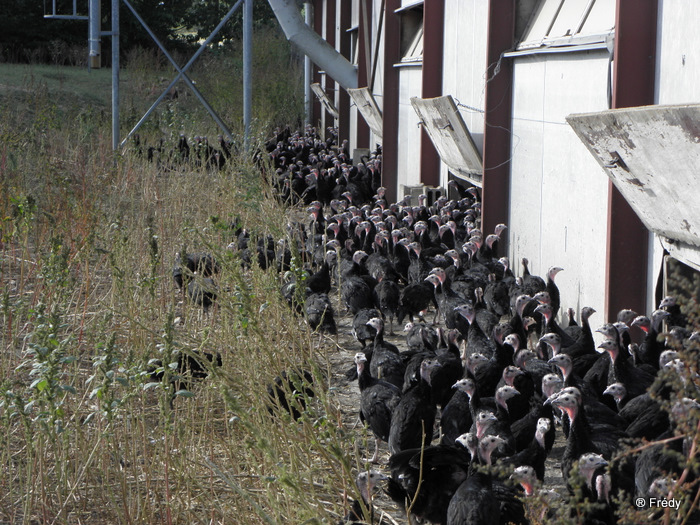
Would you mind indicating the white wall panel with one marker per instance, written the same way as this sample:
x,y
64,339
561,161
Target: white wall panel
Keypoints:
x,y
410,79
559,194
677,80
678,53
464,64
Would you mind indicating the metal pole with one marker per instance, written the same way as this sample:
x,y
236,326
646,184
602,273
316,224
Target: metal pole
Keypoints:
x,y
187,80
247,69
201,49
308,71
94,23
115,74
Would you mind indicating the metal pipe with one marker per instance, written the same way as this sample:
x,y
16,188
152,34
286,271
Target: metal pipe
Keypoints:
x,y
115,74
308,73
94,23
247,70
310,43
184,69
185,78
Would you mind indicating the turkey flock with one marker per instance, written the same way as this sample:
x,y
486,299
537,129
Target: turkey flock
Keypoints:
x,y
489,366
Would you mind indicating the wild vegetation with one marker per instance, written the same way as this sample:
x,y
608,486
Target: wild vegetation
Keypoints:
x,y
87,249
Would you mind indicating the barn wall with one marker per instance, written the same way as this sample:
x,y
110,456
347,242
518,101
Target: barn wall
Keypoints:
x,y
678,54
464,63
410,85
558,206
677,79
558,202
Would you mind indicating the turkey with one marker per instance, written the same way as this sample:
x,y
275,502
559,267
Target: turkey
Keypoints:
x,y
290,391
378,400
366,484
414,416
387,295
189,366
356,294
320,314
385,361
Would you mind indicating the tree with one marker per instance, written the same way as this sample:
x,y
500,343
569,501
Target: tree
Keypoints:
x,y
204,15
26,35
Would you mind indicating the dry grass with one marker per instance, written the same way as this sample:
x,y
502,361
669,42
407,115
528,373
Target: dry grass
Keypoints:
x,y
88,245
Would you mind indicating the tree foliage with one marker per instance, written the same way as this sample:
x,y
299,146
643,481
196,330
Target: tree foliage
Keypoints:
x,y
26,35
204,15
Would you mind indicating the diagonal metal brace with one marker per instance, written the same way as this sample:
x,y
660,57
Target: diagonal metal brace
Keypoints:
x,y
181,72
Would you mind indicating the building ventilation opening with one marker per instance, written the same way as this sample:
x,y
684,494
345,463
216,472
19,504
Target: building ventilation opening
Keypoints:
x,y
682,282
432,193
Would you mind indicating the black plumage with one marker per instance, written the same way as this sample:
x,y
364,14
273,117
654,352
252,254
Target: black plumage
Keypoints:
x,y
387,295
189,366
320,314
290,391
378,400
414,416
356,294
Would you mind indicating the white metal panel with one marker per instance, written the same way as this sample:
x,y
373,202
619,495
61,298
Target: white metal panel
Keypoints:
x,y
569,17
558,194
409,4
366,105
569,23
677,82
464,64
542,21
325,101
601,18
652,155
567,74
408,158
450,136
678,56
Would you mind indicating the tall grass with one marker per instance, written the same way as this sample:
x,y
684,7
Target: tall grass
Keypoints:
x,y
88,241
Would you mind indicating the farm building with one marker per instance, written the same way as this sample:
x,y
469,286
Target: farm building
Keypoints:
x,y
576,118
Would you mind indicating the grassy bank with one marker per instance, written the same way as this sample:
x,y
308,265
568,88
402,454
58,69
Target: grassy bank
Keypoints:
x,y
87,248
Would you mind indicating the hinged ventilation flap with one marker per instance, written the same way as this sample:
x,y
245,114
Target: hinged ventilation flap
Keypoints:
x,y
453,142
325,101
367,106
652,155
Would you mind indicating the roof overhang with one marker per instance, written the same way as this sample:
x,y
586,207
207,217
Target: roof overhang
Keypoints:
x,y
652,155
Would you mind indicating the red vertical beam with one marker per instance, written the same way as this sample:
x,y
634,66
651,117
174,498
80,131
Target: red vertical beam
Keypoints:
x,y
433,29
390,101
498,114
316,107
364,57
345,9
633,85
330,85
